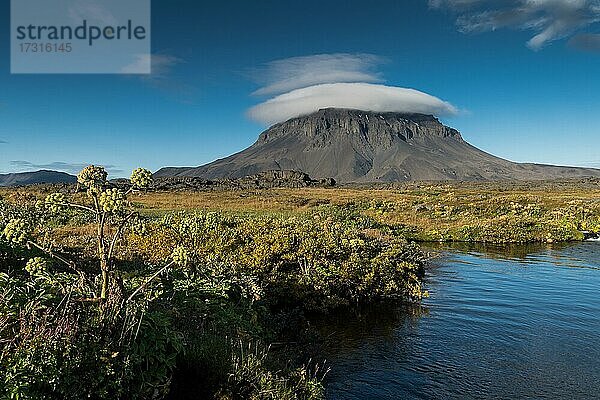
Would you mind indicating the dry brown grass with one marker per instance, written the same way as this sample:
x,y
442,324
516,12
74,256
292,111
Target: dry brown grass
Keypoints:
x,y
285,200
433,209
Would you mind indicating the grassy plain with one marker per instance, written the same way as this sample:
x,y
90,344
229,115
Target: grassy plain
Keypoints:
x,y
496,212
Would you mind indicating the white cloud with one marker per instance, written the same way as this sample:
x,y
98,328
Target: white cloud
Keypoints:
x,y
303,85
141,65
160,65
360,96
298,72
92,12
550,20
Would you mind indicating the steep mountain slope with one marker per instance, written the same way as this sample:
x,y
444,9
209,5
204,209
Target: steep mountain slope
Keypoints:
x,y
30,178
360,146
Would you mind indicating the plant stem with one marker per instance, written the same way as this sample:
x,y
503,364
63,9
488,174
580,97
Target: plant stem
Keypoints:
x,y
53,255
118,234
143,285
80,206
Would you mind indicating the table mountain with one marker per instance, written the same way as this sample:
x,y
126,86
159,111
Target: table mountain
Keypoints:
x,y
363,146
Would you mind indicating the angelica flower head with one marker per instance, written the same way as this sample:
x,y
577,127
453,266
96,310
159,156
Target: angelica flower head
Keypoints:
x,y
36,266
16,231
93,178
141,178
112,200
54,202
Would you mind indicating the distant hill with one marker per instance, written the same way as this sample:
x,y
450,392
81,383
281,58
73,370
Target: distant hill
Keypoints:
x,y
30,178
363,147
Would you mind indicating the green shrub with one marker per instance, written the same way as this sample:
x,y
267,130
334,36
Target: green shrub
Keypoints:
x,y
319,261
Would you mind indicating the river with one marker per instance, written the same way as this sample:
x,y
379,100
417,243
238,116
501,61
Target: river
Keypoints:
x,y
519,322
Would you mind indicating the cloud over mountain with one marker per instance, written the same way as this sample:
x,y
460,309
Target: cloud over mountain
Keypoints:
x,y
549,19
359,96
303,85
281,76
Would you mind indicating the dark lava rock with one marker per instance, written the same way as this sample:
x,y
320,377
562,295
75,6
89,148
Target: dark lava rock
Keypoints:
x,y
263,180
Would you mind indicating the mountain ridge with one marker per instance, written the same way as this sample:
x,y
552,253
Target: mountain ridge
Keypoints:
x,y
354,146
36,177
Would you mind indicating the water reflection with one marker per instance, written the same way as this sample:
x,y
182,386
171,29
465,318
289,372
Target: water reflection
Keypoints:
x,y
347,328
502,252
578,255
502,322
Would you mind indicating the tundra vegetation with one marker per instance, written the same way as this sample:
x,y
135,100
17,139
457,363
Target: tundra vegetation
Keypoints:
x,y
483,212
104,295
111,290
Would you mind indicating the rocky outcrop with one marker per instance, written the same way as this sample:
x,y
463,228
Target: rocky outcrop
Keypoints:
x,y
374,130
365,147
263,180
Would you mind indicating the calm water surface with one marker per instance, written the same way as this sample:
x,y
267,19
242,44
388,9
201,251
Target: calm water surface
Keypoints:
x,y
501,323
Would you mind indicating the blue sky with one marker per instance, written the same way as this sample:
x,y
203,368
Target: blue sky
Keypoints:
x,y
520,99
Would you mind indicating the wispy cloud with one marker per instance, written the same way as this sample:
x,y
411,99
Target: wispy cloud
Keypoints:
x,y
281,76
586,42
160,65
163,64
549,20
141,64
72,168
360,96
92,12
163,74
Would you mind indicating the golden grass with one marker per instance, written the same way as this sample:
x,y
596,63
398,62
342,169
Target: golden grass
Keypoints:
x,y
431,208
286,200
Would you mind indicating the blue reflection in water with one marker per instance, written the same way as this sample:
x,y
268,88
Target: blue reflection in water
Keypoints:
x,y
501,323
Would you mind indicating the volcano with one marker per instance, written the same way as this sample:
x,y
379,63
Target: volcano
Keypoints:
x,y
354,146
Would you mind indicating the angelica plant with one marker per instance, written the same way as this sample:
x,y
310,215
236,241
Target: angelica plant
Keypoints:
x,y
113,215
110,208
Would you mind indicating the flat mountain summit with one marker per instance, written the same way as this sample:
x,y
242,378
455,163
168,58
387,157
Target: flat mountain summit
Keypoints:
x,y
363,147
